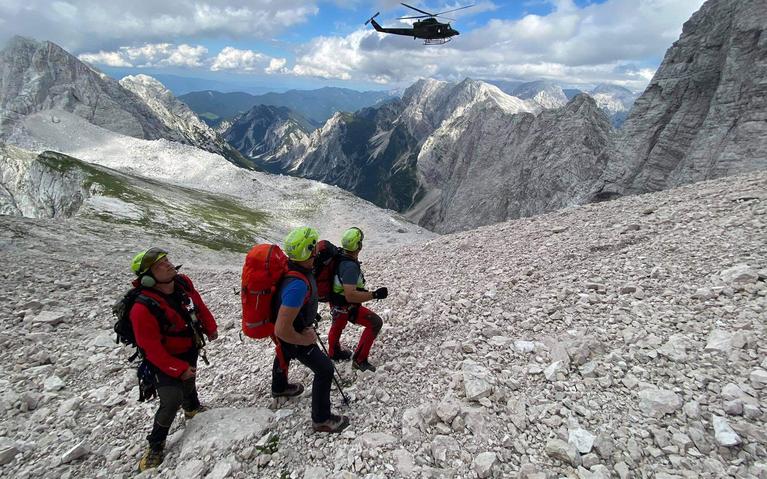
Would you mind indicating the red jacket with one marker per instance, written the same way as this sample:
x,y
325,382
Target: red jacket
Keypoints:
x,y
160,349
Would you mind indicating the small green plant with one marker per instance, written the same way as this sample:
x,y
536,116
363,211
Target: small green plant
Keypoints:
x,y
271,445
285,474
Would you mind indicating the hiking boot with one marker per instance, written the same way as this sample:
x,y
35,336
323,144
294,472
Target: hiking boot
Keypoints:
x,y
363,366
341,355
334,424
153,457
289,392
194,412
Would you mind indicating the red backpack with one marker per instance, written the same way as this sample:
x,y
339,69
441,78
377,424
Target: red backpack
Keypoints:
x,y
265,266
325,264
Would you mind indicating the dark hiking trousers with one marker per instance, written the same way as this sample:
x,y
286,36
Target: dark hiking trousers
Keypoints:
x,y
173,393
322,367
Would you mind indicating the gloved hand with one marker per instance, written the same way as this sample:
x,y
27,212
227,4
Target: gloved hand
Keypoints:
x,y
381,293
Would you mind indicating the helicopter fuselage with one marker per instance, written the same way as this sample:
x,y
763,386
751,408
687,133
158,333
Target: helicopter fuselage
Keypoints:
x,y
429,29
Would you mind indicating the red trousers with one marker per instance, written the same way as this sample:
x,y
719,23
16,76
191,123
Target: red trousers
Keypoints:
x,y
357,314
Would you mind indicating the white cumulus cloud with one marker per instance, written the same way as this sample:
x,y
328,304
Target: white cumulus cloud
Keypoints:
x,y
611,42
92,24
150,55
277,65
239,60
188,56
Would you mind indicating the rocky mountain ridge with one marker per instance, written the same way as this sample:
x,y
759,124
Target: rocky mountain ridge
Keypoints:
x,y
178,117
267,132
703,114
41,76
535,168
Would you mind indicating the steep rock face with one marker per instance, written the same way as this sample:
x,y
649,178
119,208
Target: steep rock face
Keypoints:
x,y
40,76
545,93
370,153
267,133
374,152
704,114
178,117
33,187
615,100
491,164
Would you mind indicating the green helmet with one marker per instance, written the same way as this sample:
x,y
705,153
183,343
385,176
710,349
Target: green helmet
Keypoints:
x,y
144,260
352,239
300,242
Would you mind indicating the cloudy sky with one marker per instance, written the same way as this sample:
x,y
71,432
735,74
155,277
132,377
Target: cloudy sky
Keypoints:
x,y
316,43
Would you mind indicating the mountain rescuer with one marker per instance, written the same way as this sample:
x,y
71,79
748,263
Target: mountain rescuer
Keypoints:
x,y
297,309
168,319
348,292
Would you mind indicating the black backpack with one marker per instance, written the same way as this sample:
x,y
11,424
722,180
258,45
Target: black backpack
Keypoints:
x,y
124,328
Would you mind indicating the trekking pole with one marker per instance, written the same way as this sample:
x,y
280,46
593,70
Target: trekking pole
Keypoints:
x,y
336,380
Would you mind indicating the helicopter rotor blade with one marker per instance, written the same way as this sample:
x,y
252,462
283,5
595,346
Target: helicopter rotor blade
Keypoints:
x,y
371,18
410,18
419,10
454,10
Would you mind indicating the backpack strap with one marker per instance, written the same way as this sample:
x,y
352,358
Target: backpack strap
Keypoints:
x,y
156,310
297,274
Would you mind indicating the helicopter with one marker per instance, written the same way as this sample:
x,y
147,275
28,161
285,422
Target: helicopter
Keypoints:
x,y
430,30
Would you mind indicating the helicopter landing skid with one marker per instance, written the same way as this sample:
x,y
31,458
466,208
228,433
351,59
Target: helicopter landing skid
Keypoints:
x,y
436,41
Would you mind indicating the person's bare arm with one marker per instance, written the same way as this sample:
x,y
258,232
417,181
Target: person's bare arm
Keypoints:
x,y
353,296
284,330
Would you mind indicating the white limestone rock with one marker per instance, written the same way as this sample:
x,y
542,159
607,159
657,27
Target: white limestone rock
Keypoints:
x,y
448,408
659,402
739,275
477,380
404,462
758,378
375,440
724,341
221,470
76,452
675,348
524,347
553,369
484,463
51,318
222,429
724,434
193,469
582,439
563,451
7,453
443,447
53,384
316,473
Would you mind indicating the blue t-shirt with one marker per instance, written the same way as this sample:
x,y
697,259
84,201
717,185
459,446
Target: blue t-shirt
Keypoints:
x,y
293,293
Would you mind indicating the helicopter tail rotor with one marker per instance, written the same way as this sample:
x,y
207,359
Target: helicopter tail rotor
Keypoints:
x,y
371,18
